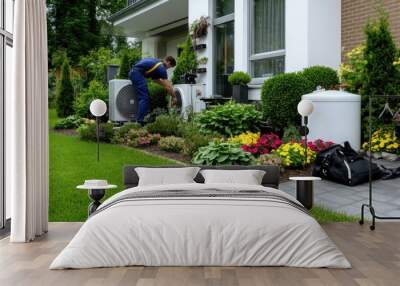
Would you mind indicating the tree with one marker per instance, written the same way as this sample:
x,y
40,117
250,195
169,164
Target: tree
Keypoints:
x,y
65,92
381,76
124,67
187,61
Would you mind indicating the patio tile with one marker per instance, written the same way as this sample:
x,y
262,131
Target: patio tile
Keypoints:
x,y
341,198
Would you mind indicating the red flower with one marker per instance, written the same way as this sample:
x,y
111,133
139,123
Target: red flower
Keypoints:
x,y
264,145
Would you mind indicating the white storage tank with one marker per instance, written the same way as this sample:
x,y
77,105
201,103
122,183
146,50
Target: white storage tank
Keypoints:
x,y
336,117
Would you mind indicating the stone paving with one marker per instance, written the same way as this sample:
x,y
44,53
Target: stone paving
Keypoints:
x,y
341,198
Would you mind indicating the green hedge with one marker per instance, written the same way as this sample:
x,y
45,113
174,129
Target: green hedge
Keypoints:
x,y
324,77
280,96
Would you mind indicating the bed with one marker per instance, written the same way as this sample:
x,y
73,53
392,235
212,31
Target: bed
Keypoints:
x,y
201,224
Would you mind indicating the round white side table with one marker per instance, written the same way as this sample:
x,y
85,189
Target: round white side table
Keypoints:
x,y
96,191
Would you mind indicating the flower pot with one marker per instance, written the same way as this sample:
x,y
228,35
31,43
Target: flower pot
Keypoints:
x,y
240,93
397,130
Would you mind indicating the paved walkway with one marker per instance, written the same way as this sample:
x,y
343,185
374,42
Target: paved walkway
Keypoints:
x,y
386,195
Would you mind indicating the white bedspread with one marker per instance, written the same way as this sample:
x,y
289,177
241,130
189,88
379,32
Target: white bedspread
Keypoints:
x,y
202,232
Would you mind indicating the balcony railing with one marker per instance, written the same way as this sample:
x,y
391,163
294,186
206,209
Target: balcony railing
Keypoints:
x,y
131,2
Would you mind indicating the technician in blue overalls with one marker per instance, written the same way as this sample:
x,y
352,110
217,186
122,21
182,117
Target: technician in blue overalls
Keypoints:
x,y
155,70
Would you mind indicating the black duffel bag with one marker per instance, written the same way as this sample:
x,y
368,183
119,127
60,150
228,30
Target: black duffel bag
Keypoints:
x,y
342,164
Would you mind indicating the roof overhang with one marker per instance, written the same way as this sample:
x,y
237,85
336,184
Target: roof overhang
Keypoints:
x,y
145,16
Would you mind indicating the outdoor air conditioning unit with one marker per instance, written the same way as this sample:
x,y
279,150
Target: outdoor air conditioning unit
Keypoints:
x,y
123,104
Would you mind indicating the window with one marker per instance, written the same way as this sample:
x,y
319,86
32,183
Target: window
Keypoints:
x,y
268,38
6,42
224,45
224,7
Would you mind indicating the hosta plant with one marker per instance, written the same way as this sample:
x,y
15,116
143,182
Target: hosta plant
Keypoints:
x,y
230,119
222,153
264,145
171,144
293,155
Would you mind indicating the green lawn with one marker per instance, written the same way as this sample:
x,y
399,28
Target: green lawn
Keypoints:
x,y
72,161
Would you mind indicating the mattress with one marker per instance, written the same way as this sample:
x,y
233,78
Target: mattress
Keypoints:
x,y
201,225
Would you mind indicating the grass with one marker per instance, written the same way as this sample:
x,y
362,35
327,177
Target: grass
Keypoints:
x,y
72,161
325,215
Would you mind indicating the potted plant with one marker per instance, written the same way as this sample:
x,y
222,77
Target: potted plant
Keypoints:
x,y
239,81
397,127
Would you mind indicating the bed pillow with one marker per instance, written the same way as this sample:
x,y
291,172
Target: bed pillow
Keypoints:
x,y
166,176
247,177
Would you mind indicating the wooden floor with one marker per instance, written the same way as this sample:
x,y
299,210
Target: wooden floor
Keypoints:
x,y
375,257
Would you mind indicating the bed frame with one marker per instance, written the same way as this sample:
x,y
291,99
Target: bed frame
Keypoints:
x,y
270,179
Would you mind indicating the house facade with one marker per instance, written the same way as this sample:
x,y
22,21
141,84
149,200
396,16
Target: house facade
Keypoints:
x,y
261,37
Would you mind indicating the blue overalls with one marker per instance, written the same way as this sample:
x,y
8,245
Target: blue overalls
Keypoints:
x,y
146,68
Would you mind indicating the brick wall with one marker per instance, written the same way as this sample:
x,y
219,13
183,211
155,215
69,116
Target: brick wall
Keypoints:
x,y
355,14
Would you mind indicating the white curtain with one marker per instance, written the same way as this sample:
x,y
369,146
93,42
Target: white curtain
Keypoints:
x,y
27,133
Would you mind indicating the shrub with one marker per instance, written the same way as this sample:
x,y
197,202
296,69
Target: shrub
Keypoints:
x,y
239,78
230,119
171,144
96,90
71,122
280,96
95,64
124,67
264,145
187,61
324,77
268,160
383,140
165,125
87,131
158,96
65,92
140,138
120,133
293,155
291,134
222,153
245,138
193,139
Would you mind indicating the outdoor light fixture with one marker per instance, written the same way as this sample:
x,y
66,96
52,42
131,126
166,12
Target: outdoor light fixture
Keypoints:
x,y
98,108
305,108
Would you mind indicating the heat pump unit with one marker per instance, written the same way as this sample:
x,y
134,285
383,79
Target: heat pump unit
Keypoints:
x,y
123,104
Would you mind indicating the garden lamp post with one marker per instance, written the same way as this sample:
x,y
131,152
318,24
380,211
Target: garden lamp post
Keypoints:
x,y
305,108
98,108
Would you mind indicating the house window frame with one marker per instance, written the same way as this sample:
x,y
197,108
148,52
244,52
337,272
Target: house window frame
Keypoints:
x,y
253,57
216,22
6,40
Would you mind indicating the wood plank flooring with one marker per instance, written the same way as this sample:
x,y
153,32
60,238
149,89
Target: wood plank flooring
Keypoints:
x,y
375,257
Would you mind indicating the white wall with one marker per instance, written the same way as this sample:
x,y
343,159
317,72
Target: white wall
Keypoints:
x,y
242,35
313,33
150,46
325,33
198,8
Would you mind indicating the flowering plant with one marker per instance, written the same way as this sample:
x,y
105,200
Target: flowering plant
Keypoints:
x,y
264,145
318,145
245,138
383,140
269,160
293,155
140,138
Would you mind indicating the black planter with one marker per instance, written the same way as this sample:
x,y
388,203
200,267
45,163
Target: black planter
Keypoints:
x,y
240,94
397,130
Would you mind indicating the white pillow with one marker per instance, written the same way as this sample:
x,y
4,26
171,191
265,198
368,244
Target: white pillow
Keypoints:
x,y
247,177
166,176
